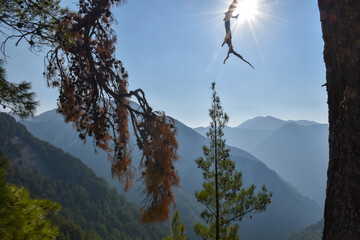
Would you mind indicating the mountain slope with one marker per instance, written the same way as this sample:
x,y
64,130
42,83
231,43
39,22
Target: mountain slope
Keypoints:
x,y
288,212
300,155
243,138
296,150
86,200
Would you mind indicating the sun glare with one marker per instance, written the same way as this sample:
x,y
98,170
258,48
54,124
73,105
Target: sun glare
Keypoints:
x,y
247,10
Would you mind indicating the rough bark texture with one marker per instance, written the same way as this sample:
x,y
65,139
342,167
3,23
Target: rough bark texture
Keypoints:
x,y
341,33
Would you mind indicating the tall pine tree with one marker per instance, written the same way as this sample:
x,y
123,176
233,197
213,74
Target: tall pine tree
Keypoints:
x,y
223,196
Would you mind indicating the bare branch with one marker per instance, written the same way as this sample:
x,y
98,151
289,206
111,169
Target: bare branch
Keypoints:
x,y
227,40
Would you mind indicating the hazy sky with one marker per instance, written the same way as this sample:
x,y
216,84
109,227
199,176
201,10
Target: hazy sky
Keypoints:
x,y
172,50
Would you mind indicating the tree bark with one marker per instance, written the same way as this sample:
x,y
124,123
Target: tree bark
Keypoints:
x,y
340,21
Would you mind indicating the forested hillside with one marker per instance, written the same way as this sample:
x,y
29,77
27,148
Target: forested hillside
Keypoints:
x,y
85,199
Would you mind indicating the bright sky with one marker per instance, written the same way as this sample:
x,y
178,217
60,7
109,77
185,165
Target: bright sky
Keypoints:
x,y
172,50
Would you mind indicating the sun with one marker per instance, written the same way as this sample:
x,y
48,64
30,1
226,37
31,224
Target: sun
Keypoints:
x,y
247,10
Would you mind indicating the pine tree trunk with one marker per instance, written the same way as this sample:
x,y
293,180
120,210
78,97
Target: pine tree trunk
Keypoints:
x,y
217,237
341,33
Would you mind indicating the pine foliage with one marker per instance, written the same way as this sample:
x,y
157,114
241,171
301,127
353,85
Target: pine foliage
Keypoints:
x,y
177,231
16,97
22,217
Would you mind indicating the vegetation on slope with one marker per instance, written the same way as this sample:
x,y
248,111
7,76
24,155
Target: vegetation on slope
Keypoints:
x,y
22,217
86,200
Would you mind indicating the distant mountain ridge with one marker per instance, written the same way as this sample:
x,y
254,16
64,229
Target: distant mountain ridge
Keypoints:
x,y
271,123
296,149
276,223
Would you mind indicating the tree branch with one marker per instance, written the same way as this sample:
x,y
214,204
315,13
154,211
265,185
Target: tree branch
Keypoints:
x,y
227,40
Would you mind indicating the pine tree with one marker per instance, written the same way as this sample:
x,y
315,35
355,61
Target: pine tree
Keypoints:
x,y
177,231
223,195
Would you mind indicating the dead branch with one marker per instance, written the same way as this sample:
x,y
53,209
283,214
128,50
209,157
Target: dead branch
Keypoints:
x,y
227,40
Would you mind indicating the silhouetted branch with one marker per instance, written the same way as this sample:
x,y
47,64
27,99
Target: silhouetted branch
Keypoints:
x,y
231,50
227,40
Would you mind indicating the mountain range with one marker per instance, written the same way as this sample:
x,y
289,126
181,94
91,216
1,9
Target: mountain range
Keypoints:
x,y
289,211
297,150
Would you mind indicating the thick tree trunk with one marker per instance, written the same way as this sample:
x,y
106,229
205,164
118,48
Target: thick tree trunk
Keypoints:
x,y
341,33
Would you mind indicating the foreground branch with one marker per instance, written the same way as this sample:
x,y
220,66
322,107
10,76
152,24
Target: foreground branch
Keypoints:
x,y
93,91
